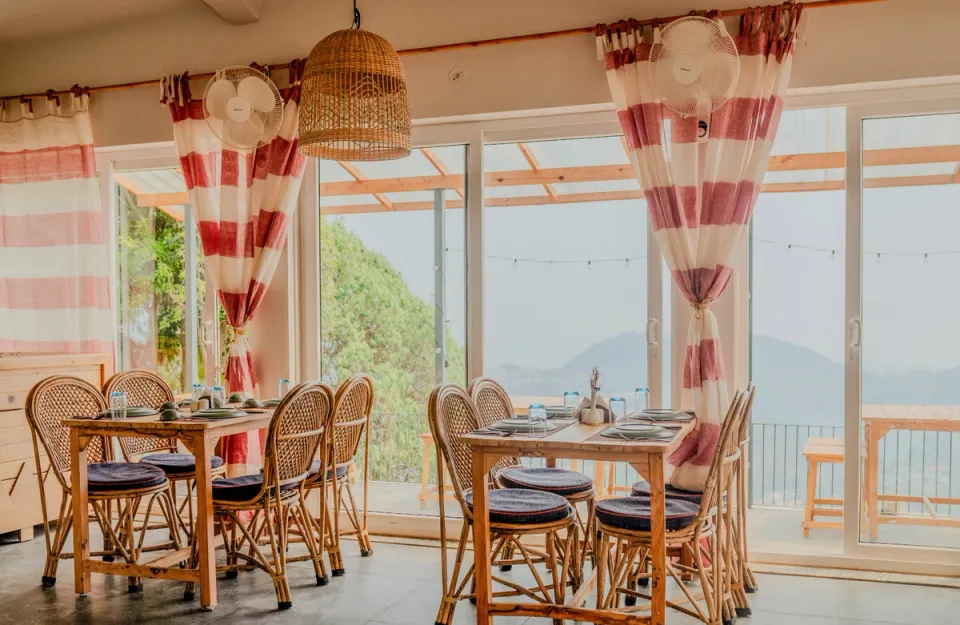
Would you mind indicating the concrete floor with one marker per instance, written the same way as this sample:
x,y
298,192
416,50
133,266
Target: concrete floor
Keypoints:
x,y
400,585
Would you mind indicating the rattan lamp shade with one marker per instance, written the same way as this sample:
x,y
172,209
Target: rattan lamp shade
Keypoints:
x,y
353,100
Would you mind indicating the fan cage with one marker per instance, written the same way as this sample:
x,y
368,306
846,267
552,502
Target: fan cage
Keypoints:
x,y
271,120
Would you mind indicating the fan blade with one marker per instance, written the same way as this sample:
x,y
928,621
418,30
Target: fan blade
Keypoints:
x,y
218,95
243,135
258,93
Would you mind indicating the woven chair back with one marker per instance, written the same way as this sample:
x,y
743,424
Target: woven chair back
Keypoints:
x,y
143,388
493,404
452,415
352,407
48,403
724,458
300,424
744,433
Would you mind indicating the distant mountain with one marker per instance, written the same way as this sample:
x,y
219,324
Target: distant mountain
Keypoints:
x,y
795,385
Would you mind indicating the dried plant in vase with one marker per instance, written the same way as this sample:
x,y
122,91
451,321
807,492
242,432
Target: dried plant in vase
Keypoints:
x,y
593,416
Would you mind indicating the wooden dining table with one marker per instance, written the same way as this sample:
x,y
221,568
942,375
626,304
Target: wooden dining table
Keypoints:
x,y
199,436
577,441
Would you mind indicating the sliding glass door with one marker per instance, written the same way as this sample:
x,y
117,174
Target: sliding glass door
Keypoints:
x,y
903,334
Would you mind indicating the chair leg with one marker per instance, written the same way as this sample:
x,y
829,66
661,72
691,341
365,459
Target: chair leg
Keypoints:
x,y
274,521
304,523
363,538
55,546
134,584
333,536
450,597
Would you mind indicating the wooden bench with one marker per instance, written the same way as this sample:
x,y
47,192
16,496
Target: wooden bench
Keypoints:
x,y
816,451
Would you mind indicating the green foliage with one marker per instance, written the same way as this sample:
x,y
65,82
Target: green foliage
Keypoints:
x,y
371,322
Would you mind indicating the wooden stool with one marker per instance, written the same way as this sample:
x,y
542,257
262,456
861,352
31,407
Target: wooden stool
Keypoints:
x,y
428,490
817,450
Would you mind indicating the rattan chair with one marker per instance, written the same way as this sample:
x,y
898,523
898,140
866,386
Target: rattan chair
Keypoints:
x,y
351,415
61,397
276,496
743,580
514,513
144,388
690,524
494,405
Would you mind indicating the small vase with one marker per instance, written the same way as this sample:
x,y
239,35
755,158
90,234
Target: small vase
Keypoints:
x,y
592,416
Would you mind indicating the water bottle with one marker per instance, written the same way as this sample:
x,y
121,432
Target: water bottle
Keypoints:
x,y
641,399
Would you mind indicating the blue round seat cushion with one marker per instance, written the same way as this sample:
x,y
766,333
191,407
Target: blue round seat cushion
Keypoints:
x,y
178,463
341,471
558,481
516,506
642,489
104,476
633,513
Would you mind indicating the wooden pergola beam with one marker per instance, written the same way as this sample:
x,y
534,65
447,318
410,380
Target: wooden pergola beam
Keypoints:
x,y
636,194
359,177
439,165
597,173
535,166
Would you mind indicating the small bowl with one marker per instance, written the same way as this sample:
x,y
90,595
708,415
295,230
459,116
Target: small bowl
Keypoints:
x,y
170,414
236,398
252,403
168,405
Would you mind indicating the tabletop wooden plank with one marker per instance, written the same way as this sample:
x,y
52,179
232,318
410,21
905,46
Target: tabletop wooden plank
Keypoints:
x,y
910,413
153,426
574,439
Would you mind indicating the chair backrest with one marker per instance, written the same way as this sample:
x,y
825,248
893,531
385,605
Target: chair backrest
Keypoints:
x,y
353,404
48,403
493,404
744,433
298,427
143,388
725,456
453,414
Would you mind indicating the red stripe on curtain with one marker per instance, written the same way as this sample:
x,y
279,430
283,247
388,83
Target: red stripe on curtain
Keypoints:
x,y
672,207
703,362
49,229
270,229
746,119
641,124
241,306
55,293
85,346
198,169
241,372
702,283
280,158
698,448
726,203
44,164
192,109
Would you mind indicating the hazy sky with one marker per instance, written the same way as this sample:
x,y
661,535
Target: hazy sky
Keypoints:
x,y
542,314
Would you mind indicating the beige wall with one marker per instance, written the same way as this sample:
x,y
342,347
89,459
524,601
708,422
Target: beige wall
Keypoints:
x,y
896,39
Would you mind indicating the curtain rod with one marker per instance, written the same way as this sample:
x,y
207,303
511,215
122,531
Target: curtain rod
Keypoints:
x,y
586,30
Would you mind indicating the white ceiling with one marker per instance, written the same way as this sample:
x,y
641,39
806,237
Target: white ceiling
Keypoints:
x,y
27,19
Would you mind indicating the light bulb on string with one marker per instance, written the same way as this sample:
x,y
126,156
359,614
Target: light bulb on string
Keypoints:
x,y
589,264
926,259
514,263
878,257
789,248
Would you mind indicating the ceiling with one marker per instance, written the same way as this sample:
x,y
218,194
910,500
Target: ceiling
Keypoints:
x,y
27,19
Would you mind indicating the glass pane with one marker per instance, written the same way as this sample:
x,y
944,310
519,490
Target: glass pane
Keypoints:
x,y
152,262
911,340
392,302
797,333
565,277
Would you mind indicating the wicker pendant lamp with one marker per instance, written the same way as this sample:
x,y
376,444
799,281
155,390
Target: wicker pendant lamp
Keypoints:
x,y
353,98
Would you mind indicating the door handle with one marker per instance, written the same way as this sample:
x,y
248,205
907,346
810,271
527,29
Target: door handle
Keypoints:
x,y
653,333
853,334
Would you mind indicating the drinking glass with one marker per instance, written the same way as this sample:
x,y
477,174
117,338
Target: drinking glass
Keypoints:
x,y
218,397
118,405
641,399
537,414
197,391
283,388
571,401
618,409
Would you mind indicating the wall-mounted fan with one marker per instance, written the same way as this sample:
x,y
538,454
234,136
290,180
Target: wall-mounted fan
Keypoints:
x,y
694,65
243,107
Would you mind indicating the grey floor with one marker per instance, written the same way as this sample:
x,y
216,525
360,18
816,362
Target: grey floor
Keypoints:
x,y
401,585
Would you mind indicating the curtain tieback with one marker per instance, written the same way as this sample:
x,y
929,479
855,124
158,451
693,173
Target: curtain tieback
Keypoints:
x,y
699,307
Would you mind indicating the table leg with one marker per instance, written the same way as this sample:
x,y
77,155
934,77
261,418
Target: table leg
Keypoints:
x,y
658,537
81,510
203,530
481,539
870,479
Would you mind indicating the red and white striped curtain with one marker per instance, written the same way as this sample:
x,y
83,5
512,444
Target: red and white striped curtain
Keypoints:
x,y
701,194
244,201
54,269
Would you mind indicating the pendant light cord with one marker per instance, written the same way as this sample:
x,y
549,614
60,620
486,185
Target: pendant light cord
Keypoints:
x,y
356,15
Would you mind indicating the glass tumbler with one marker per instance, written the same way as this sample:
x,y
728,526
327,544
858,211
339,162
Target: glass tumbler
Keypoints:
x,y
571,401
218,397
283,388
118,405
618,409
537,414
